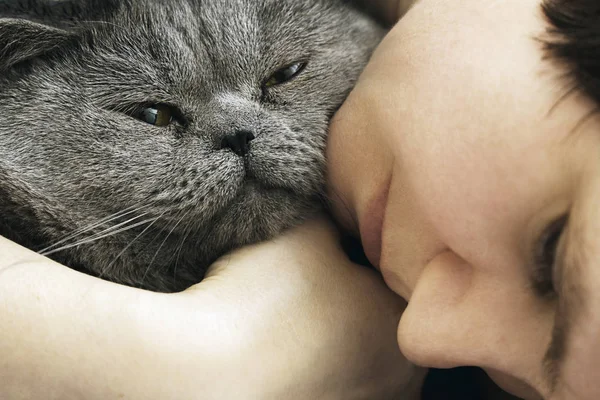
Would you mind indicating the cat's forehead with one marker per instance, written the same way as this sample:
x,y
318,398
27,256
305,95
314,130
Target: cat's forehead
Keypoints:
x,y
225,40
227,20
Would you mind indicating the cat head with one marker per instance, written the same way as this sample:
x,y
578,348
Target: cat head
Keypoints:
x,y
142,139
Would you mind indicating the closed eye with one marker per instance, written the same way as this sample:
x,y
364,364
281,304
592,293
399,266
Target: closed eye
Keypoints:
x,y
545,258
285,74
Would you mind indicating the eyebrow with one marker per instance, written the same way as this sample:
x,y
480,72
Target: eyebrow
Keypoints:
x,y
571,302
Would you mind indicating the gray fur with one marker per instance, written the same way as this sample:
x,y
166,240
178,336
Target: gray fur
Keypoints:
x,y
75,166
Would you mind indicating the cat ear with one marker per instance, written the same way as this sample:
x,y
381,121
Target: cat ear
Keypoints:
x,y
31,28
22,40
60,13
53,12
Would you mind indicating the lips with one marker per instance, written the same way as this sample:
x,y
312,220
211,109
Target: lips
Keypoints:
x,y
371,223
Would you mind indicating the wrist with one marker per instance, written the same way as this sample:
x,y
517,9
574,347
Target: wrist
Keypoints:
x,y
61,328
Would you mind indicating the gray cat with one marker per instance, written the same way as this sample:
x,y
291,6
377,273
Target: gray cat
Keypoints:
x,y
142,139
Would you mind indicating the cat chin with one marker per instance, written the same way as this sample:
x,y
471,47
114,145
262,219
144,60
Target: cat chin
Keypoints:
x,y
257,215
260,212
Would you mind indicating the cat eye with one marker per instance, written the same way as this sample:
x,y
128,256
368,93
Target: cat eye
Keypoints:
x,y
546,255
285,74
157,115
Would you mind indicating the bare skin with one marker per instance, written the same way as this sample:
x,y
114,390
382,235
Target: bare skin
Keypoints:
x,y
248,331
472,158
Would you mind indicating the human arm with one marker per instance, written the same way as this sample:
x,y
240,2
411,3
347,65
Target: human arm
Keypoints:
x,y
286,319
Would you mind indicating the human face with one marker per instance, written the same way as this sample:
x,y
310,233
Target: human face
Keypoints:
x,y
459,161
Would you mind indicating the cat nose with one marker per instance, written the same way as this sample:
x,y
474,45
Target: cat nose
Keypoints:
x,y
238,142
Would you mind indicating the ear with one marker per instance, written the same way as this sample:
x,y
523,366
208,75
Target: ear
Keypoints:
x,y
22,40
31,28
57,11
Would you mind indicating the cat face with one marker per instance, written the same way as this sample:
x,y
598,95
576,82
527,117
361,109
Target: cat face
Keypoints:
x,y
143,139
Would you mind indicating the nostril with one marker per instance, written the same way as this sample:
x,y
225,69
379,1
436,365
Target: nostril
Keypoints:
x,y
238,142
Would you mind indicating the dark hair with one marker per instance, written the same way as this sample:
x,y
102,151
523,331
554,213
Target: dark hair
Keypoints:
x,y
575,40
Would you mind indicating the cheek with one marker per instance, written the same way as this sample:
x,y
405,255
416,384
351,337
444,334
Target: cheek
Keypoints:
x,y
478,189
358,154
582,370
461,188
465,121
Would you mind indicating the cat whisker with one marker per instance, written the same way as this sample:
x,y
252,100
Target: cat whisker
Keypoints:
x,y
92,226
101,233
130,244
119,225
95,238
162,244
187,232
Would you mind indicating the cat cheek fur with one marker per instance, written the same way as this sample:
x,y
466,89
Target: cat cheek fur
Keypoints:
x,y
151,206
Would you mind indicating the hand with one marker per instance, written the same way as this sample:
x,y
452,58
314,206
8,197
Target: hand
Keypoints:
x,y
325,327
290,319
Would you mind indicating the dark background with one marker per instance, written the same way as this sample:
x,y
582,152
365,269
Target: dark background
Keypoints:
x,y
461,384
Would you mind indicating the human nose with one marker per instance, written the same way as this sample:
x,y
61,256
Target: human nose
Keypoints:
x,y
463,315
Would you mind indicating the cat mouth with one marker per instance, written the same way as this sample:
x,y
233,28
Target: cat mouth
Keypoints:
x,y
248,168
254,185
254,189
